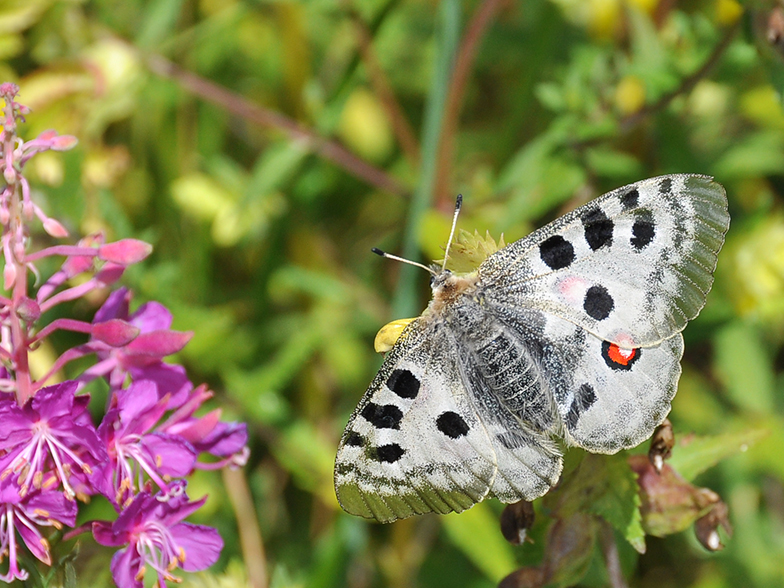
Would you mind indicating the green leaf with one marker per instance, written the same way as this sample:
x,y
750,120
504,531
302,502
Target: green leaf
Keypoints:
x,y
619,501
304,452
694,455
606,486
476,533
744,367
613,164
755,155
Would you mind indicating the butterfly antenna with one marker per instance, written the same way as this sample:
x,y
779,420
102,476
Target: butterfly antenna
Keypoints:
x,y
396,258
458,206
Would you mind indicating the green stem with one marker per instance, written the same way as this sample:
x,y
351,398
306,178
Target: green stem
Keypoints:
x,y
405,302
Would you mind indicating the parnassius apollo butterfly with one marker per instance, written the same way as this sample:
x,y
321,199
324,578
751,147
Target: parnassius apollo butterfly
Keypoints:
x,y
572,333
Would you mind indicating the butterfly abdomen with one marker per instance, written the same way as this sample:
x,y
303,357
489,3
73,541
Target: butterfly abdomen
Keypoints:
x,y
505,367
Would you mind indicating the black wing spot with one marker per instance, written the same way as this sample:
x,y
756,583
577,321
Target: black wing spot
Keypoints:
x,y
403,383
382,416
629,199
354,439
598,229
388,453
556,252
643,231
619,359
452,425
665,187
598,303
584,398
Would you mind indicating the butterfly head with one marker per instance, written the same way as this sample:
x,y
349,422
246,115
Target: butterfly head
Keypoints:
x,y
448,287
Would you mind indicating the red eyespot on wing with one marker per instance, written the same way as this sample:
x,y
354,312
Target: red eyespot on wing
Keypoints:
x,y
617,358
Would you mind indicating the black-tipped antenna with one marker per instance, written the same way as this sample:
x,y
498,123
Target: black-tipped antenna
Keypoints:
x,y
378,251
458,205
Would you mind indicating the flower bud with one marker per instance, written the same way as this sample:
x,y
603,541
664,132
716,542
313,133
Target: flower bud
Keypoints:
x,y
28,310
9,275
516,519
54,228
706,528
64,142
125,252
662,442
115,332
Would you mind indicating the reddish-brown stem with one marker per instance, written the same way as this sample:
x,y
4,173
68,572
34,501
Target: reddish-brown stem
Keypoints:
x,y
611,557
400,125
295,131
686,85
457,87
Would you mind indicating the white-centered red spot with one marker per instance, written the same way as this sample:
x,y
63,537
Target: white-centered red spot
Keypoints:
x,y
620,355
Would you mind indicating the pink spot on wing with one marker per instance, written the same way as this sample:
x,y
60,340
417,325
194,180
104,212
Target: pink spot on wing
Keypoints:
x,y
573,289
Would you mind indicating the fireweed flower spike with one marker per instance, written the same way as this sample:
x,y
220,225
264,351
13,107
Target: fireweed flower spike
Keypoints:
x,y
51,453
156,540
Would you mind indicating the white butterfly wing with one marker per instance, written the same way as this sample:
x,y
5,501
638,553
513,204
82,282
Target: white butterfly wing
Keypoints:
x,y
613,398
631,267
417,444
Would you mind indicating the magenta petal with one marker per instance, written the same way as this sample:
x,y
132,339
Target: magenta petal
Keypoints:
x,y
32,538
125,251
109,273
202,545
115,332
125,567
116,306
171,379
139,406
52,401
103,534
152,316
173,455
55,505
226,439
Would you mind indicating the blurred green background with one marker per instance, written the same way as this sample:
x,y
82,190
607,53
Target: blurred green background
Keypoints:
x,y
292,136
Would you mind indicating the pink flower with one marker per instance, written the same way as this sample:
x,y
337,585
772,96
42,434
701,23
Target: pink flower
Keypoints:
x,y
155,539
51,433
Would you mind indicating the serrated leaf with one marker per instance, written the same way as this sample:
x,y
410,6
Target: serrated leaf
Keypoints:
x,y
694,455
606,486
476,533
70,575
619,502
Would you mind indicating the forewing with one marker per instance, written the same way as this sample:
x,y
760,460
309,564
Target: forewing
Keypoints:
x,y
631,267
416,443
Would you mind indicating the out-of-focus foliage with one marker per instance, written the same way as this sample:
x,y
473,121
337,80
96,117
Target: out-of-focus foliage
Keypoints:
x,y
355,133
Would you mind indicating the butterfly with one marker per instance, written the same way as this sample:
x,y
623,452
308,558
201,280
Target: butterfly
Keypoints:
x,y
572,333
